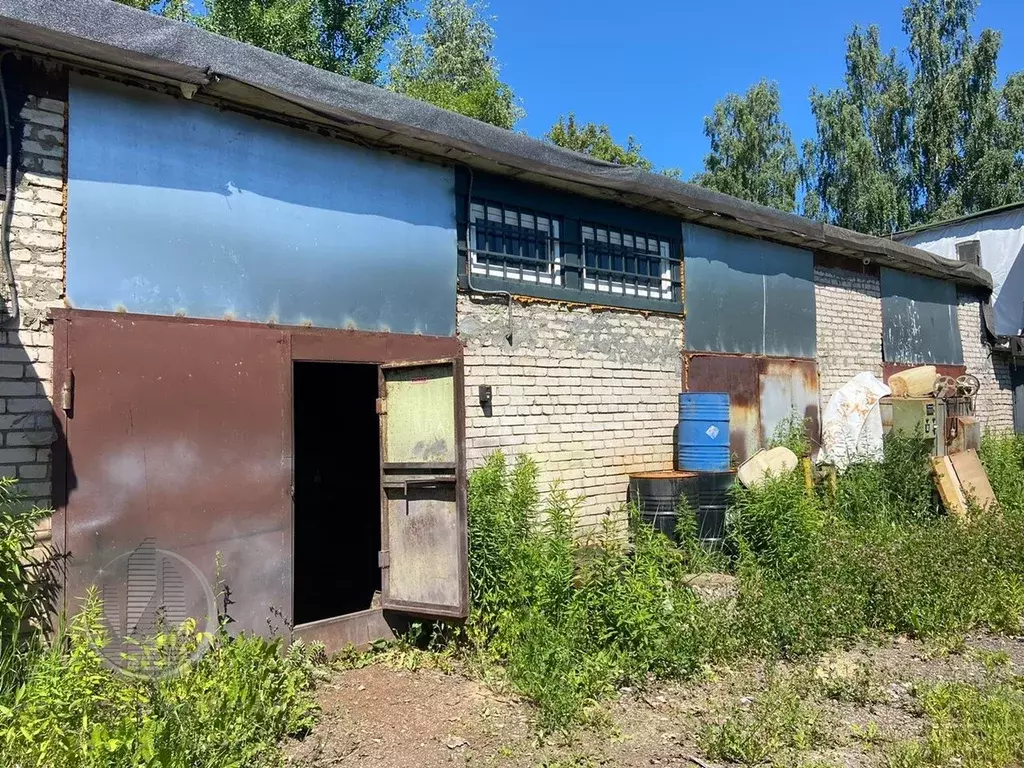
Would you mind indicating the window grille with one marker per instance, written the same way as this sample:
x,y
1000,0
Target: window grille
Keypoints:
x,y
629,263
515,244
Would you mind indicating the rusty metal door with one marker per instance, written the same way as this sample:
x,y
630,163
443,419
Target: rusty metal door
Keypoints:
x,y
424,558
737,376
178,437
789,389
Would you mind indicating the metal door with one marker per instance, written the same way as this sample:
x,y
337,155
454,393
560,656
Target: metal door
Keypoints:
x,y
424,558
789,388
178,438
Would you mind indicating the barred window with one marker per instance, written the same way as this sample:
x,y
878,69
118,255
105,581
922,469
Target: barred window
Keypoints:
x,y
629,263
515,244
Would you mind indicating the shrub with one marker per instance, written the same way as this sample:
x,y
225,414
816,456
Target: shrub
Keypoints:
x,y
573,619
230,708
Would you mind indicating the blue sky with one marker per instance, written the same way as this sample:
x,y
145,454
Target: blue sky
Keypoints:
x,y
655,68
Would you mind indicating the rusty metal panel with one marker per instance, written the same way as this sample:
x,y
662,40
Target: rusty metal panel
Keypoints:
x,y
919,319
738,376
788,388
360,629
179,435
424,541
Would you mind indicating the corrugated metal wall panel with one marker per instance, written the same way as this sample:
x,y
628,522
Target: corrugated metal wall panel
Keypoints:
x,y
747,296
176,207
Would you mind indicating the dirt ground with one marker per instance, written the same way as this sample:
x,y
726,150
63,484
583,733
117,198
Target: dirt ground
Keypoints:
x,y
385,716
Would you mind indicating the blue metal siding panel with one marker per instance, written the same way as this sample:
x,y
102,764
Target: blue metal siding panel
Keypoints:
x,y
179,208
747,296
919,319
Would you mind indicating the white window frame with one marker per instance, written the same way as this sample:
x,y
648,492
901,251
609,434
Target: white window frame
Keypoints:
x,y
515,216
591,233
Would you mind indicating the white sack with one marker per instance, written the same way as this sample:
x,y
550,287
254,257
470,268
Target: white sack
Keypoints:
x,y
851,429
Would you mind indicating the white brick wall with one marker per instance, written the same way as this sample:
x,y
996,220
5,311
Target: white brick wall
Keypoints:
x,y
591,394
849,310
848,306
26,343
994,403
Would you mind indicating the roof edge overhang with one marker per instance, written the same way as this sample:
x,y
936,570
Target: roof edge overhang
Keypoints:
x,y
110,38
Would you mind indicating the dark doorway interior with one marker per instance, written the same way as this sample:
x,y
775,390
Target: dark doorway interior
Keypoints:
x,y
337,489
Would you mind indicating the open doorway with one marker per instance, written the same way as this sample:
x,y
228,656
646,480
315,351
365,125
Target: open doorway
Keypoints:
x,y
337,489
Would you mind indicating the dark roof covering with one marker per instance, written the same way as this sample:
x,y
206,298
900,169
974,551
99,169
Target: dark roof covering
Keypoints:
x,y
902,235
108,36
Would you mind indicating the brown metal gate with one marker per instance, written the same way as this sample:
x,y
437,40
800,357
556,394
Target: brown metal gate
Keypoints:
x,y
178,436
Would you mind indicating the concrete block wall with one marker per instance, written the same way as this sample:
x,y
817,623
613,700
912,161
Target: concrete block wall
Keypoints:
x,y
37,221
994,403
848,307
591,394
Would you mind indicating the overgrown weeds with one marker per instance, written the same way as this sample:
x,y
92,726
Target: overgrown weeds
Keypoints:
x,y
61,704
778,721
229,708
570,619
969,726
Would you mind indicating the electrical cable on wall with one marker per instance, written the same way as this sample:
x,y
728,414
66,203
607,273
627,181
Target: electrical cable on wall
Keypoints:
x,y
5,219
469,259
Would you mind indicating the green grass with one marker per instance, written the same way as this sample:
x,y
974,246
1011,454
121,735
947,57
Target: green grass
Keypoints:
x,y
62,705
569,621
780,720
969,727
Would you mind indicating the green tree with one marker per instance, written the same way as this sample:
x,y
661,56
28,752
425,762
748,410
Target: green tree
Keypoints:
x,y
451,64
902,144
752,152
349,37
596,140
856,172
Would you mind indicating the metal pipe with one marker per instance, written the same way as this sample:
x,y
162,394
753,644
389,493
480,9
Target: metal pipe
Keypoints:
x,y
469,259
5,219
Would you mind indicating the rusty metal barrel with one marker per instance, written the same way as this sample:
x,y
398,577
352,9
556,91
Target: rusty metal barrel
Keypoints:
x,y
659,495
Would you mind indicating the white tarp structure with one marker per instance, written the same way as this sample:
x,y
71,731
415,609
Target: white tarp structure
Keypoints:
x,y
1001,235
851,428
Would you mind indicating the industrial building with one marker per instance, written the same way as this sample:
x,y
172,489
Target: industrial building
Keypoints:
x,y
268,318
993,240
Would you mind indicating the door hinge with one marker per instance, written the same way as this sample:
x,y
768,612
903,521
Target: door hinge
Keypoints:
x,y
382,406
384,558
67,392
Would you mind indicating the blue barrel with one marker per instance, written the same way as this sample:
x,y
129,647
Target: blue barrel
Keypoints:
x,y
704,431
